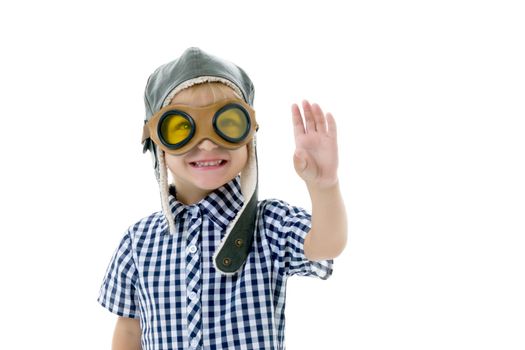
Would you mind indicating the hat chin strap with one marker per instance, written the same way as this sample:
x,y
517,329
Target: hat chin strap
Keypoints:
x,y
234,248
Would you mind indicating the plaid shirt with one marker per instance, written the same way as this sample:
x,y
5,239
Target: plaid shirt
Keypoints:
x,y
170,283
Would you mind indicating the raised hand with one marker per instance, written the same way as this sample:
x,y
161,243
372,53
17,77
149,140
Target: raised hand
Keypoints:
x,y
315,157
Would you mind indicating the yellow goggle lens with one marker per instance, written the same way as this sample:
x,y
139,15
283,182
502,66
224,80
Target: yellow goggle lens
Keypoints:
x,y
232,123
175,129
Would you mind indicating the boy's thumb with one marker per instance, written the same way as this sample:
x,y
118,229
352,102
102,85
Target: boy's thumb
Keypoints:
x,y
299,161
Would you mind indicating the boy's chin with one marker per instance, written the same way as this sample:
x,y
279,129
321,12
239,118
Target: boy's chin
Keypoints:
x,y
212,184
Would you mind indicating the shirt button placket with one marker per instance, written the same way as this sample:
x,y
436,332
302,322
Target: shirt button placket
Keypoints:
x,y
193,280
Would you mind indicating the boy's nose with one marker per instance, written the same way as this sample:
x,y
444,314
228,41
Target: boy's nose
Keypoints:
x,y
207,145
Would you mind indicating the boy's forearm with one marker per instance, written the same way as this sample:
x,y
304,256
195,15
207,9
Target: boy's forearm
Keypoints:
x,y
127,334
126,341
328,235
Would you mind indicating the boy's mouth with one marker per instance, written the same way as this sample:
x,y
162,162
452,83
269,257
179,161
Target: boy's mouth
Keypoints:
x,y
207,164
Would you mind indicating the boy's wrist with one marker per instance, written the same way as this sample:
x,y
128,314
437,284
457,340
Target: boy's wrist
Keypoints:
x,y
327,186
323,189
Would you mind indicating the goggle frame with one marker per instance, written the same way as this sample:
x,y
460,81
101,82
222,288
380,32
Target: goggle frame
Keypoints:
x,y
203,122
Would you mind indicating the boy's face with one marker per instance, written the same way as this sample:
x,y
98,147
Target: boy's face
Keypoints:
x,y
207,166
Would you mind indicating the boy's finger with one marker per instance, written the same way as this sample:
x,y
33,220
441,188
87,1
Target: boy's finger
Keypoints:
x,y
308,117
332,127
297,120
320,121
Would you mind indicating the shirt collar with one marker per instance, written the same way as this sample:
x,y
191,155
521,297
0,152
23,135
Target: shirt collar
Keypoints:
x,y
221,205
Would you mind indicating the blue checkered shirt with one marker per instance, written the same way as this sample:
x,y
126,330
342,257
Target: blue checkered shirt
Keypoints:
x,y
183,302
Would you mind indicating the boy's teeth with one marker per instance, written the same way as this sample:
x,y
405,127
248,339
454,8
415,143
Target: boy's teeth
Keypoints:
x,y
213,163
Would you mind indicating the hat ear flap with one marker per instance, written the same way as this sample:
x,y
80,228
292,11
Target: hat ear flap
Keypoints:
x,y
162,178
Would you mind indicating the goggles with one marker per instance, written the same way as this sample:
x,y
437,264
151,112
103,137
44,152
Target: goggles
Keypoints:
x,y
178,128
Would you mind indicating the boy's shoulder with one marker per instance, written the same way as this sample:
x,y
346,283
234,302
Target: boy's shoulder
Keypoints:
x,y
281,211
152,224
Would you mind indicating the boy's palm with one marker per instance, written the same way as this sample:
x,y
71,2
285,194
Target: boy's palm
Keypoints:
x,y
315,158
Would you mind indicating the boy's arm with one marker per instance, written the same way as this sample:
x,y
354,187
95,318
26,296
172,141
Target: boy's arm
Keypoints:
x,y
127,334
316,162
327,237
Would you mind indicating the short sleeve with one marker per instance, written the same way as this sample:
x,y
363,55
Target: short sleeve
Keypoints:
x,y
287,227
118,293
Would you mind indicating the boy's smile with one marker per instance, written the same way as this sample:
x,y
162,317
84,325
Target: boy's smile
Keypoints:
x,y
205,158
210,162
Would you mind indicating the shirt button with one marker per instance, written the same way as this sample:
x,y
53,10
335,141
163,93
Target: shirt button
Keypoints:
x,y
192,249
194,343
192,295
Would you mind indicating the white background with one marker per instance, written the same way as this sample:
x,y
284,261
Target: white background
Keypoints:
x,y
429,100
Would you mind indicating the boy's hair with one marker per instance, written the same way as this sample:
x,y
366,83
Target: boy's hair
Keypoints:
x,y
215,87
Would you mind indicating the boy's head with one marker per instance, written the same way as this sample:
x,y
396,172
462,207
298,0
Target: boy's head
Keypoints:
x,y
193,67
201,161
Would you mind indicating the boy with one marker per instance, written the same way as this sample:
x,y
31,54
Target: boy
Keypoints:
x,y
210,270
